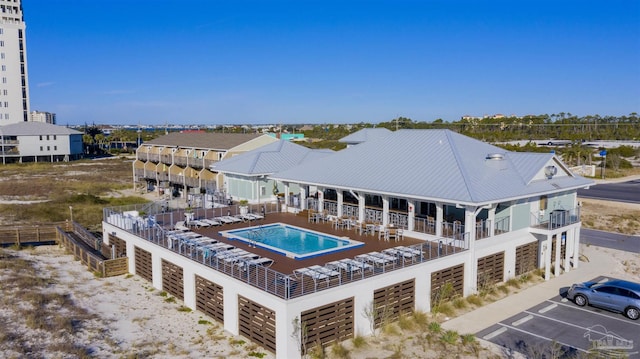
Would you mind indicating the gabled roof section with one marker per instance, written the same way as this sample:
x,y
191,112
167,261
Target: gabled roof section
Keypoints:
x,y
269,159
435,165
365,134
204,140
35,129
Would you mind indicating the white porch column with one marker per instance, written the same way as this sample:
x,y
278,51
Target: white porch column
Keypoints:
x,y
320,199
491,216
385,210
340,196
285,205
470,266
568,240
556,267
576,247
411,215
361,201
303,198
547,257
439,218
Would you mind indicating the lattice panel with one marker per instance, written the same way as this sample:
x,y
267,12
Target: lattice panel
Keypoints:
x,y
121,245
172,279
143,264
392,301
329,323
210,298
490,269
453,275
526,257
257,323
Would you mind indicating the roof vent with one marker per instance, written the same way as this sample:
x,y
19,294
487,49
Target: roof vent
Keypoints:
x,y
495,156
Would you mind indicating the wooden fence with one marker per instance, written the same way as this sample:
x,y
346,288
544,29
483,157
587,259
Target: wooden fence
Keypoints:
x,y
76,239
30,235
95,262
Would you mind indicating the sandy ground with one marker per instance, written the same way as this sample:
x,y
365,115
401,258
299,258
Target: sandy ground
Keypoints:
x,y
132,319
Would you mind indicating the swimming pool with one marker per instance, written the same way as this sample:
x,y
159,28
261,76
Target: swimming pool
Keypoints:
x,y
291,241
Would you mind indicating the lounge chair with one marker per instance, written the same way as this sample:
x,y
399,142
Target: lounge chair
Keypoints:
x,y
231,219
212,222
256,215
181,226
200,224
377,258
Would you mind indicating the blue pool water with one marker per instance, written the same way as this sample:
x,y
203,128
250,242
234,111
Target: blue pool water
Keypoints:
x,y
294,242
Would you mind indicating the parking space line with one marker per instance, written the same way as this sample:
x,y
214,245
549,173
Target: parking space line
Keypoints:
x,y
563,322
494,333
547,308
573,306
544,338
523,320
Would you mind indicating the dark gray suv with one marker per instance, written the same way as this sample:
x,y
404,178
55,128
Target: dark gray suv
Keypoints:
x,y
616,295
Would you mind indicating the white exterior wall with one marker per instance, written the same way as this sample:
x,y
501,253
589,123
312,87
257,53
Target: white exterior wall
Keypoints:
x,y
11,99
30,145
286,310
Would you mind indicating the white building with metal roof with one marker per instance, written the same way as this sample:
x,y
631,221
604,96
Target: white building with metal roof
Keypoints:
x,y
470,214
247,174
438,183
39,142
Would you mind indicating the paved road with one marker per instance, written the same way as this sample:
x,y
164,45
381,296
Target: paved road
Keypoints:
x,y
622,192
558,326
623,242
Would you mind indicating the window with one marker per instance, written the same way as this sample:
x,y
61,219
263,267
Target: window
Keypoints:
x,y
4,80
54,137
48,148
40,137
55,148
4,67
2,55
1,43
40,148
263,191
47,137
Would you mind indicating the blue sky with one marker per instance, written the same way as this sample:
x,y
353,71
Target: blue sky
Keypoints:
x,y
241,62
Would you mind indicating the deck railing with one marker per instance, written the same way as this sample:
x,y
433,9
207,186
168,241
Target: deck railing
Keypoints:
x,y
280,284
556,219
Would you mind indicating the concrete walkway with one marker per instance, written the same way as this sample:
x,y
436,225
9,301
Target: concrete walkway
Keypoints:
x,y
599,264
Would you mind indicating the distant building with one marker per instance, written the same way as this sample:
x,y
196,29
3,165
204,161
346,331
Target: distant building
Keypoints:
x,y
39,142
180,162
44,117
14,84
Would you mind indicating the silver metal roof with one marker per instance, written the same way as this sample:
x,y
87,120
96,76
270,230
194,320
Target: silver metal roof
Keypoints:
x,y
31,128
365,134
269,159
210,140
435,165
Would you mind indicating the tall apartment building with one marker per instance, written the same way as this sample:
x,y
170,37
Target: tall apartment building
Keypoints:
x,y
14,86
44,117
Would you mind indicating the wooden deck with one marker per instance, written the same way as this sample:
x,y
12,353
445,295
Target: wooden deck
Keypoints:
x,y
287,265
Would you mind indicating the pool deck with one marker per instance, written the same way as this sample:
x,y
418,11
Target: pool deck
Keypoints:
x,y
287,265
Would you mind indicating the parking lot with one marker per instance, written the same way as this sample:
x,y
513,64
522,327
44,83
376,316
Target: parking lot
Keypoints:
x,y
559,328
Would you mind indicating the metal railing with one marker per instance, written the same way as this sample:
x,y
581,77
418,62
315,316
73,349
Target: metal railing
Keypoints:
x,y
556,219
280,284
